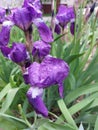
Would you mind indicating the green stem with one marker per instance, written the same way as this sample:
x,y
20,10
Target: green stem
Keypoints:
x,y
23,116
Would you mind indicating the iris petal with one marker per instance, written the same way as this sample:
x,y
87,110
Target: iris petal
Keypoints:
x,y
22,18
44,31
37,102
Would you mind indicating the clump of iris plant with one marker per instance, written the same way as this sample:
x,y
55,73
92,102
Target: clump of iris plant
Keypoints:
x,y
45,70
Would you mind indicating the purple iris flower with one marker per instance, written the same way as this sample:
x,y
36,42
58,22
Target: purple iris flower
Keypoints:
x,y
17,53
23,17
65,15
44,31
5,33
50,71
2,15
40,49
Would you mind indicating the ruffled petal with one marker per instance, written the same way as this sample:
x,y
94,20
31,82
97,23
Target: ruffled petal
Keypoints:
x,y
51,71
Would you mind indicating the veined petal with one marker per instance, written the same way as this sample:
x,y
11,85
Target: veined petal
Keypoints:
x,y
36,101
44,31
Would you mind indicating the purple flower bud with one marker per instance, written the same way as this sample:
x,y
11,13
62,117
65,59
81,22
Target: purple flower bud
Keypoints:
x,y
57,29
40,49
17,53
34,98
50,72
72,28
44,31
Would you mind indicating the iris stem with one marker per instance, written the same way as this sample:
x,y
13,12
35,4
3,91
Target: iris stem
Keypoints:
x,y
23,116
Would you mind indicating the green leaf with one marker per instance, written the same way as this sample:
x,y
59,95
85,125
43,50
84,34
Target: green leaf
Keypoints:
x,y
9,98
86,89
55,126
5,91
66,113
96,124
9,124
58,37
75,108
71,58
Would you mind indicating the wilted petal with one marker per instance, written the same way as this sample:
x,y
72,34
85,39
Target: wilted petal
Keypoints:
x,y
40,49
2,15
34,97
44,31
17,53
22,18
